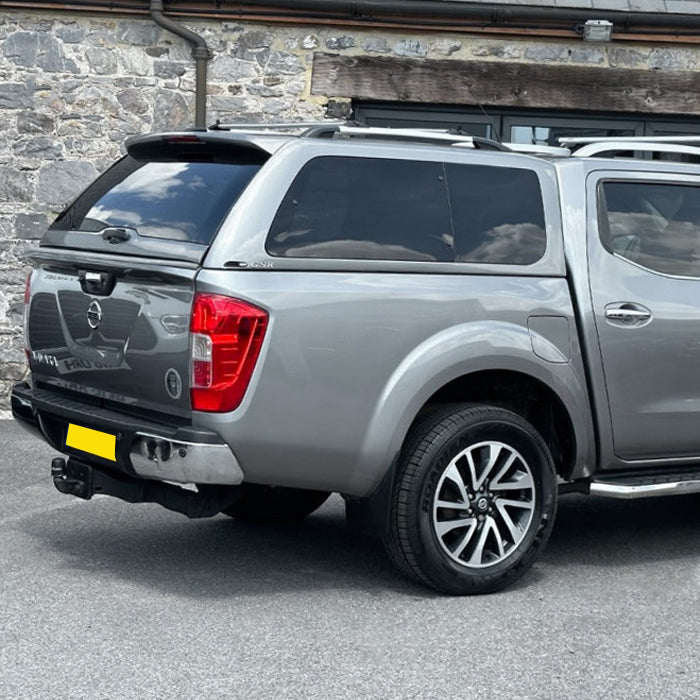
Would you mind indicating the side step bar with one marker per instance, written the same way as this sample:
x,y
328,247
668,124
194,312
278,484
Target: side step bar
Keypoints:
x,y
646,487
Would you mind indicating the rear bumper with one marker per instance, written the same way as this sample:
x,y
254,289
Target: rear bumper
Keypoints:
x,y
144,449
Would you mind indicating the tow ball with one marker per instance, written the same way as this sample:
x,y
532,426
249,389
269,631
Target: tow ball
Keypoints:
x,y
75,481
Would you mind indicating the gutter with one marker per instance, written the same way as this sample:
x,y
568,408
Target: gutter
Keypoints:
x,y
494,13
429,15
397,13
201,54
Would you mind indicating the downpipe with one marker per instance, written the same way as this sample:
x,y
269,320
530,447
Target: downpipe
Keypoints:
x,y
201,54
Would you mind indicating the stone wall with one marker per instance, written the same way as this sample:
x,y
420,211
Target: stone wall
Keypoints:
x,y
73,87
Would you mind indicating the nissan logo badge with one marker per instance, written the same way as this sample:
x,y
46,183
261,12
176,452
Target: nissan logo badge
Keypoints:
x,y
94,315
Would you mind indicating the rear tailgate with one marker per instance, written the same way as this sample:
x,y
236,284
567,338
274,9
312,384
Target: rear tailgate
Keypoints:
x,y
112,329
110,299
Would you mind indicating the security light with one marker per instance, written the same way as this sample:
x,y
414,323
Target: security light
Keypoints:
x,y
597,30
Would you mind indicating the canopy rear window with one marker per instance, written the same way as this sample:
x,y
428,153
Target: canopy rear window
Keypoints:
x,y
174,200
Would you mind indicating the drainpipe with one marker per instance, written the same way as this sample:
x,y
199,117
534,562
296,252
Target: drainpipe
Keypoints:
x,y
201,54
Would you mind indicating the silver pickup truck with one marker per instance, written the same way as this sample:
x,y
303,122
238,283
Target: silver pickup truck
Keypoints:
x,y
445,331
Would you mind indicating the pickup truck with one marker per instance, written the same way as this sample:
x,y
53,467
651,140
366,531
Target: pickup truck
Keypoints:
x,y
447,332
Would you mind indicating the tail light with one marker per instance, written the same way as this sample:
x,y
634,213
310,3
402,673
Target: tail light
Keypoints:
x,y
225,339
27,297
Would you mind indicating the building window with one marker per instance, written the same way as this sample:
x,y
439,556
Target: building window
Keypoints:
x,y
529,127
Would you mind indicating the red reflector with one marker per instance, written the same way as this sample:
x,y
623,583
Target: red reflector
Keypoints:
x,y
27,297
225,339
27,288
201,373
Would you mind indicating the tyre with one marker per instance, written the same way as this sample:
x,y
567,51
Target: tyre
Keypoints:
x,y
275,504
474,500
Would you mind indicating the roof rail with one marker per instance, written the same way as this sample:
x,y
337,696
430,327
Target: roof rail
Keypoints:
x,y
435,136
580,140
281,126
538,150
593,149
445,137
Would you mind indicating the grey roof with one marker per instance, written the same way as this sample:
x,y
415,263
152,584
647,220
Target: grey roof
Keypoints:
x,y
679,6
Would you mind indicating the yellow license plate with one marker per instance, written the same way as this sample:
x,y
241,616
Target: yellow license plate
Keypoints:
x,y
93,441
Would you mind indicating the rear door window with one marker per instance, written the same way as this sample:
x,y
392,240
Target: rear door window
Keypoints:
x,y
386,209
183,201
655,225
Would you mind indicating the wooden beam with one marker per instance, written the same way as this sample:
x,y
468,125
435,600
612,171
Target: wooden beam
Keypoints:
x,y
506,84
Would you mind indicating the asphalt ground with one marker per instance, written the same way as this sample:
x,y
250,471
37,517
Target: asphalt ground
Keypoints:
x,y
103,599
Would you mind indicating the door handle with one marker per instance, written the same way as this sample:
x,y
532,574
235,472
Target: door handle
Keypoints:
x,y
627,312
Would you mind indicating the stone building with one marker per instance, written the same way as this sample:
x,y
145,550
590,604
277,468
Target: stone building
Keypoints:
x,y
75,83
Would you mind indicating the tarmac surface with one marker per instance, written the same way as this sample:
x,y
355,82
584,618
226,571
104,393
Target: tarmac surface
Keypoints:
x,y
104,599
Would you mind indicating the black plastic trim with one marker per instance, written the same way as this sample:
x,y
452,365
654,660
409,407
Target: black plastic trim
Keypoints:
x,y
47,414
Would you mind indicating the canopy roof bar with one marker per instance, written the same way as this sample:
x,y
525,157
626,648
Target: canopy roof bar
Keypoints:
x,y
580,140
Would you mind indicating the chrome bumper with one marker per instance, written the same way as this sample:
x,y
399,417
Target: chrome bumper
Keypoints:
x,y
144,449
157,457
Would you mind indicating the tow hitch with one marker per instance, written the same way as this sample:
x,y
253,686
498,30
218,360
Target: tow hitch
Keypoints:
x,y
77,482
78,479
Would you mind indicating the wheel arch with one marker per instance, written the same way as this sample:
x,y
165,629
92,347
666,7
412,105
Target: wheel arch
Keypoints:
x,y
523,394
490,363
519,392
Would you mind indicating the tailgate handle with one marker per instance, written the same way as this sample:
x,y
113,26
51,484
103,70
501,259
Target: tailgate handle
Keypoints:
x,y
115,234
97,283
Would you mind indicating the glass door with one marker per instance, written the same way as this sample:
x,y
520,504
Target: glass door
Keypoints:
x,y
546,130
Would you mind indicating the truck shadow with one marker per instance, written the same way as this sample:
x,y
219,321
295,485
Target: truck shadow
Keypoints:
x,y
611,532
218,557
221,557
